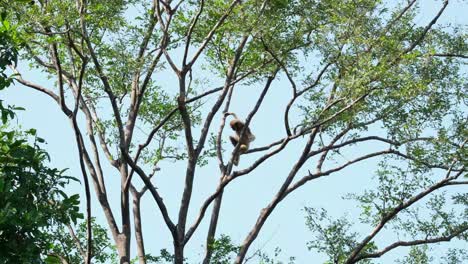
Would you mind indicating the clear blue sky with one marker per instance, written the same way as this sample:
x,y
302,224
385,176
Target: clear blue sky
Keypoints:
x,y
244,197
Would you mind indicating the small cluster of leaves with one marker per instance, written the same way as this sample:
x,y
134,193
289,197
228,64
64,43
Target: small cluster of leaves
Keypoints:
x,y
455,256
65,245
439,218
395,186
416,255
332,236
208,152
264,258
164,257
223,250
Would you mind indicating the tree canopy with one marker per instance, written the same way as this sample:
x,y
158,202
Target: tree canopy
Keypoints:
x,y
147,84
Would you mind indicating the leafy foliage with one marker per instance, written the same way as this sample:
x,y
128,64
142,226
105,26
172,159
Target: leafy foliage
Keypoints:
x,y
32,199
8,55
332,237
360,71
223,249
417,255
66,245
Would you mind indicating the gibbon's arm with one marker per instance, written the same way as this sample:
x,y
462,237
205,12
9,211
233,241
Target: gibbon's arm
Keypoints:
x,y
231,113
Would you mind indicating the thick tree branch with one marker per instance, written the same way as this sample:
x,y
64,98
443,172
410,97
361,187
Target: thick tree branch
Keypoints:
x,y
155,194
80,144
194,156
102,76
311,176
81,147
412,243
138,228
36,87
190,31
392,213
265,212
427,28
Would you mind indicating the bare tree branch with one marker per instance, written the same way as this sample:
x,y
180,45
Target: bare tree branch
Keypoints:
x,y
190,31
225,170
265,212
392,213
154,192
80,143
36,87
311,176
426,241
102,76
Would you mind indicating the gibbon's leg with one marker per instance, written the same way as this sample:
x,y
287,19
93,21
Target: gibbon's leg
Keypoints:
x,y
242,149
235,160
244,146
234,140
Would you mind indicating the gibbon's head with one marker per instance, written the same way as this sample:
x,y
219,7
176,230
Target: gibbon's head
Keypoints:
x,y
236,124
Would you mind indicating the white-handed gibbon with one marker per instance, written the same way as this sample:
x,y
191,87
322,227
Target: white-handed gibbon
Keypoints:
x,y
237,125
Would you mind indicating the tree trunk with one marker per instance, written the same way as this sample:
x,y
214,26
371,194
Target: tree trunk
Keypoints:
x,y
123,248
138,230
178,254
124,236
212,229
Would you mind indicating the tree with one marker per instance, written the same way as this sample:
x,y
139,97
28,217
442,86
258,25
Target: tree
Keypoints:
x,y
8,55
359,74
32,200
36,215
